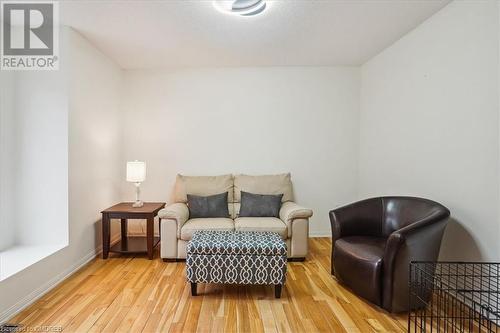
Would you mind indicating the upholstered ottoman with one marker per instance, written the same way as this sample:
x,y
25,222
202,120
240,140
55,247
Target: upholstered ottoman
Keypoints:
x,y
237,258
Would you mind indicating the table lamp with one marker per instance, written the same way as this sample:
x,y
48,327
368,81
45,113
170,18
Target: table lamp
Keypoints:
x,y
136,173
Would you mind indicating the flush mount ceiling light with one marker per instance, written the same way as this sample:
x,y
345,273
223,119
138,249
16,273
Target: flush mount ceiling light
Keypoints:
x,y
240,7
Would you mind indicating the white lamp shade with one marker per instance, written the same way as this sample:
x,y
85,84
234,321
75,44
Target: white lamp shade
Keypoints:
x,y
136,171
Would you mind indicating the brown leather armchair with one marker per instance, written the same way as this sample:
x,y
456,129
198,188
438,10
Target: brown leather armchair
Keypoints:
x,y
374,240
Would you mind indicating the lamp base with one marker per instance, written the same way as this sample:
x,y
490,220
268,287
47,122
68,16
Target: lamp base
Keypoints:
x,y
138,204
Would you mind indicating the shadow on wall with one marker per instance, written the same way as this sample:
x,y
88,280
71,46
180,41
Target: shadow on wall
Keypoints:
x,y
458,244
114,231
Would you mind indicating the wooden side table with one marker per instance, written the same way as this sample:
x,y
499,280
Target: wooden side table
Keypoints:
x,y
124,211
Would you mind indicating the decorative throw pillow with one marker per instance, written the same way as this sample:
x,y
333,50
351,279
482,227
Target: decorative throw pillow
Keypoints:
x,y
209,206
260,205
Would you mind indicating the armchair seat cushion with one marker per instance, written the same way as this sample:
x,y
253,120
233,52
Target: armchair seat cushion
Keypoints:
x,y
215,223
358,263
271,224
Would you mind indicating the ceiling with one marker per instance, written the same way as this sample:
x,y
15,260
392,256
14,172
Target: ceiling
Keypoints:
x,y
174,33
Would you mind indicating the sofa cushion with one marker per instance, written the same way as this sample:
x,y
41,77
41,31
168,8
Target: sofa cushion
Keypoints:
x,y
208,206
216,223
202,185
266,184
358,263
260,205
271,224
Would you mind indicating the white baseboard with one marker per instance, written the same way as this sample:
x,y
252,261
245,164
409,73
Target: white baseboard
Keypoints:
x,y
51,284
320,234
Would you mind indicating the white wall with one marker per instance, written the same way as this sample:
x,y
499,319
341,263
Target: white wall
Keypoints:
x,y
7,228
498,92
95,139
94,169
247,120
41,158
430,125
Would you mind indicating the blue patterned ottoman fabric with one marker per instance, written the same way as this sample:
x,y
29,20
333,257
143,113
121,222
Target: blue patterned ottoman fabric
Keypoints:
x,y
234,242
236,257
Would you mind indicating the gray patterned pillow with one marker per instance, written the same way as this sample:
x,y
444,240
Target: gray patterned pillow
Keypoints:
x,y
260,205
209,206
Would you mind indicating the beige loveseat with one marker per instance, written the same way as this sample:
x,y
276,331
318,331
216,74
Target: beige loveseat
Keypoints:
x,y
177,228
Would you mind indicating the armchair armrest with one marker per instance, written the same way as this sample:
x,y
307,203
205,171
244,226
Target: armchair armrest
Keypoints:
x,y
437,215
178,212
423,229
420,240
290,211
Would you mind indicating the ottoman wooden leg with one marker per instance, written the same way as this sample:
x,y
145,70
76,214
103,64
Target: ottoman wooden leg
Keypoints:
x,y
277,290
193,289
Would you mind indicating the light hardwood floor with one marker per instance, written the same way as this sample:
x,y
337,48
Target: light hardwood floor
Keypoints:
x,y
133,294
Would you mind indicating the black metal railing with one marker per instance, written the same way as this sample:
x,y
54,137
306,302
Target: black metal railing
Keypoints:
x,y
454,297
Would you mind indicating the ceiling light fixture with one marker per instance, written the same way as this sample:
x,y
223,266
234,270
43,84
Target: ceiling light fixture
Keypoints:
x,y
240,7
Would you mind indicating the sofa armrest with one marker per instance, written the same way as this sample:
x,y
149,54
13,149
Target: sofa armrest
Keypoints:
x,y
178,212
290,211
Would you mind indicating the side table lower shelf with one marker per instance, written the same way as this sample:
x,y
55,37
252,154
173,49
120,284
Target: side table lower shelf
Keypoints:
x,y
133,245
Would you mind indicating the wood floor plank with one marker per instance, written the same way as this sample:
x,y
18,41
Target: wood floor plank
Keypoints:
x,y
133,294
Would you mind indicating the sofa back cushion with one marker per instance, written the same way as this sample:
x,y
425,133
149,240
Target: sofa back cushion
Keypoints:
x,y
210,185
265,184
202,185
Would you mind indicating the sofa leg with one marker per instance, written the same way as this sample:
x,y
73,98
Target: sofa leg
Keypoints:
x,y
169,260
193,289
296,259
277,290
